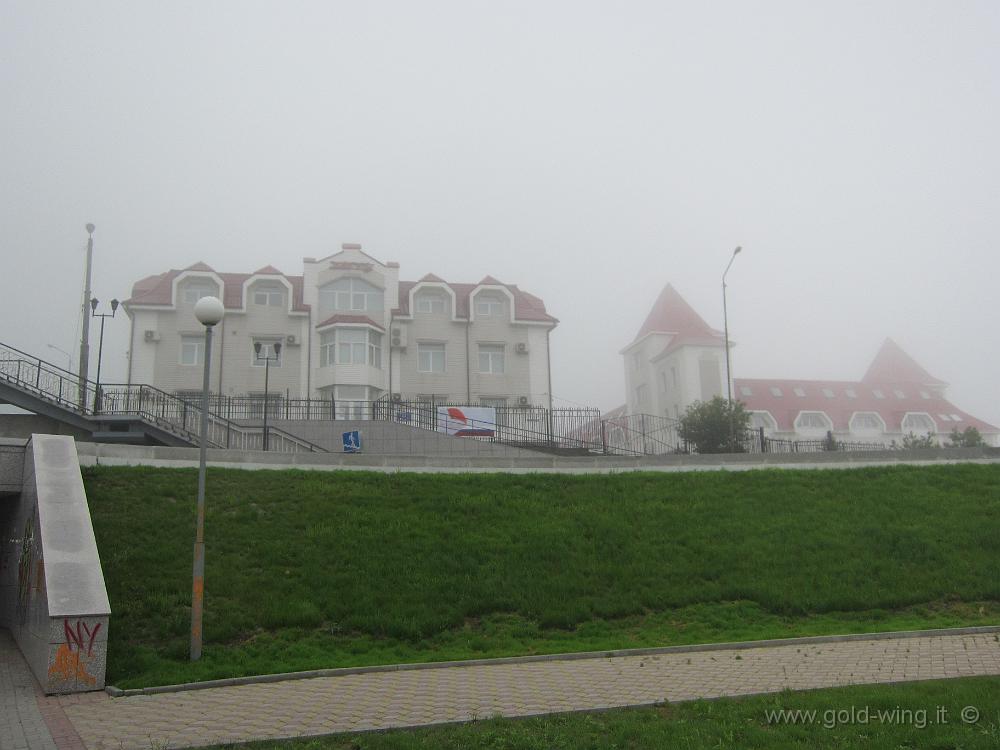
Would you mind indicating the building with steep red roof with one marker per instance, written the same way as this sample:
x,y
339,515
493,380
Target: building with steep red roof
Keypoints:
x,y
347,330
676,358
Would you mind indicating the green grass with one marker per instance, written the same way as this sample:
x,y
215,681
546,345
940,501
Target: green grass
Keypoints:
x,y
898,717
313,569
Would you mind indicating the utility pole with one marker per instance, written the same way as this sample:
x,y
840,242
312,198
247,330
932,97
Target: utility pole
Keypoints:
x,y
85,337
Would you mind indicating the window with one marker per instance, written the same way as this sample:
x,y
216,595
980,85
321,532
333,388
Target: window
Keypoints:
x,y
349,295
898,393
495,401
192,350
271,295
487,306
944,417
866,421
491,359
267,353
351,401
828,392
641,394
760,419
956,417
430,357
919,424
351,346
195,291
924,395
775,391
878,394
429,303
663,381
800,392
851,393
813,420
673,376
746,390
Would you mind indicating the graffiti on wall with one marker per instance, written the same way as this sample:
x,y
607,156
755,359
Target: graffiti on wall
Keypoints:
x,y
75,655
24,569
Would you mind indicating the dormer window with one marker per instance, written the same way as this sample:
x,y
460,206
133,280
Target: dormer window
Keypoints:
x,y
812,421
488,306
194,291
429,303
920,424
867,421
349,295
271,295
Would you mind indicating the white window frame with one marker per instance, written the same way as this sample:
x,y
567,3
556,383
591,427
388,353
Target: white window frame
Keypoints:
x,y
764,417
269,295
266,350
823,417
855,427
431,357
358,296
194,291
428,302
195,344
494,358
487,306
921,416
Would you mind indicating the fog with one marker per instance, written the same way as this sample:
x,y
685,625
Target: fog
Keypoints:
x,y
588,152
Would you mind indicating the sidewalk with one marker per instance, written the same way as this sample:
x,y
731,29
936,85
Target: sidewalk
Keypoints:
x,y
417,697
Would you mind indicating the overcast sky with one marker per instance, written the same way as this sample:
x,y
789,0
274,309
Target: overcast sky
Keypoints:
x,y
588,152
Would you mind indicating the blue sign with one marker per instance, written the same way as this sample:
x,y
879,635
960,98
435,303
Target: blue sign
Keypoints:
x,y
352,442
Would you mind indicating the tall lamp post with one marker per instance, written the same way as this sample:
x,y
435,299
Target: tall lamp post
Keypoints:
x,y
729,374
208,311
267,366
100,346
85,319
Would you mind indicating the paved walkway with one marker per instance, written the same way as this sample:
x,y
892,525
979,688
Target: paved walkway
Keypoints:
x,y
417,697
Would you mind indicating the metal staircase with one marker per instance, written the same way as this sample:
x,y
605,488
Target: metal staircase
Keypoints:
x,y
126,413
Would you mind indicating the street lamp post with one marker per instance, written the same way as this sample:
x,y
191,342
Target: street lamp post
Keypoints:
x,y
69,357
100,346
729,374
85,335
267,366
209,312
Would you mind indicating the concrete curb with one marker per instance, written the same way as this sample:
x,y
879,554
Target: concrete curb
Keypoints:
x,y
116,692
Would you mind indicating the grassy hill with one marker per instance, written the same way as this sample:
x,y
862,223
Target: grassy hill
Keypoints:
x,y
314,569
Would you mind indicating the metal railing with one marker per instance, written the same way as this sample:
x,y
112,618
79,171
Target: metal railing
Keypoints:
x,y
150,405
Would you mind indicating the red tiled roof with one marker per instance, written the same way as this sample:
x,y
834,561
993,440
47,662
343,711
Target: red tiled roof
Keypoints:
x,y
356,319
892,364
672,314
157,290
268,271
841,407
527,307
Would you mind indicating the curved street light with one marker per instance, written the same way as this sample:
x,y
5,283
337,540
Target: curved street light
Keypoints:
x,y
208,311
725,323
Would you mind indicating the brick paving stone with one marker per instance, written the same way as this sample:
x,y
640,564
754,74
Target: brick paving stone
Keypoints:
x,y
380,700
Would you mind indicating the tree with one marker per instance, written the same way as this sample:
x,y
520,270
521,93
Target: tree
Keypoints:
x,y
707,425
967,438
919,441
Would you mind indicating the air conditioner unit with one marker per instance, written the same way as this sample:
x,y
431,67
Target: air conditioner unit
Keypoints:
x,y
151,335
522,400
397,396
291,339
399,338
521,348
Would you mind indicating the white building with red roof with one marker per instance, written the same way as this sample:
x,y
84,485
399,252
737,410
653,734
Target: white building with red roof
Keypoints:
x,y
676,358
349,331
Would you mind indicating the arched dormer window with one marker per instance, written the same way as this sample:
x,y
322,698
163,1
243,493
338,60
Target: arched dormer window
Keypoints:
x,y
489,305
813,422
430,301
759,419
867,422
192,290
918,424
269,294
350,295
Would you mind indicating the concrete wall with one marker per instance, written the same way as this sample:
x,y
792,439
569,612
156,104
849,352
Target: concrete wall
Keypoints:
x,y
25,425
52,593
391,438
